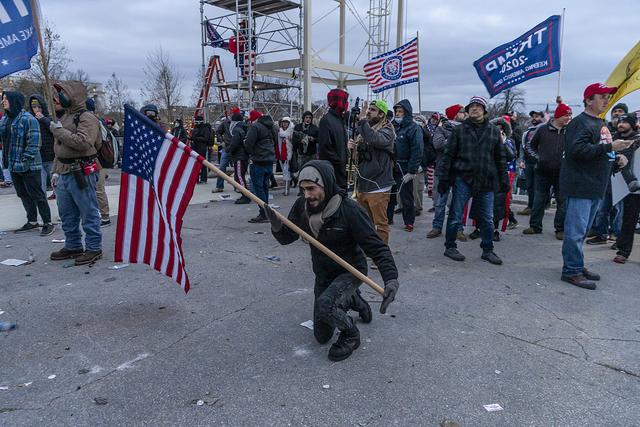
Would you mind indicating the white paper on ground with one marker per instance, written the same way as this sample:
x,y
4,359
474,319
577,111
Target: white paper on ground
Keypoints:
x,y
57,241
308,324
492,407
14,262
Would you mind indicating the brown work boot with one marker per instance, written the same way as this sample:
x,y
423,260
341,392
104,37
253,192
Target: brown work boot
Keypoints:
x,y
531,230
525,211
580,281
65,253
88,257
461,237
560,235
434,233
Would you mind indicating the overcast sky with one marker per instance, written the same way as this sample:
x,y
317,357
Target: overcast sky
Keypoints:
x,y
115,36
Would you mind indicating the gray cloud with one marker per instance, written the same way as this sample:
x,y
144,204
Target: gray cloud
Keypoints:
x,y
116,36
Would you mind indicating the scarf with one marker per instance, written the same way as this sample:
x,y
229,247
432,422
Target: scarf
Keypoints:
x,y
317,220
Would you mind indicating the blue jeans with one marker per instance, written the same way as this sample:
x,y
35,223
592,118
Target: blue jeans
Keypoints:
x,y
74,205
579,217
225,160
484,204
608,218
260,180
45,176
439,204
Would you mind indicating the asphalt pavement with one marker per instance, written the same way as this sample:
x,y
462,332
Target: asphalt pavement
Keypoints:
x,y
102,346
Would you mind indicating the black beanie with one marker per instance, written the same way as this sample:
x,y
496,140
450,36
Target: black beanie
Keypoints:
x,y
630,118
622,106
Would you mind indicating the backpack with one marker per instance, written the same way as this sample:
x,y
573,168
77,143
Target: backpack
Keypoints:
x,y
108,152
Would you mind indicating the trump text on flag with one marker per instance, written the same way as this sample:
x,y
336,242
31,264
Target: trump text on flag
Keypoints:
x,y
534,54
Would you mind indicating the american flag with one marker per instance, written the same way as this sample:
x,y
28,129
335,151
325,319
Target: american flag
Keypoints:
x,y
394,68
159,174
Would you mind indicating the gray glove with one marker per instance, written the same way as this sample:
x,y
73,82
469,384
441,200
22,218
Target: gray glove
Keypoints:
x,y
408,177
54,125
390,290
634,186
276,223
54,180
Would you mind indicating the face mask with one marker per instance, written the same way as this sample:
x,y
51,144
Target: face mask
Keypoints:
x,y
65,102
398,120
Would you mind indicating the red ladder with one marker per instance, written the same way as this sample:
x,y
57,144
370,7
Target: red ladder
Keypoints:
x,y
214,66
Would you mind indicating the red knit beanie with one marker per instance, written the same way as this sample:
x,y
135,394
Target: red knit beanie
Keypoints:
x,y
452,111
254,115
235,110
562,110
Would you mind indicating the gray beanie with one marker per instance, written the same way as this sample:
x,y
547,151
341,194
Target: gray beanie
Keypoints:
x,y
309,173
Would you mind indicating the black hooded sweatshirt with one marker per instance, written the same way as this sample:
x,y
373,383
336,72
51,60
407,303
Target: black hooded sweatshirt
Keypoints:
x,y
349,233
16,101
46,149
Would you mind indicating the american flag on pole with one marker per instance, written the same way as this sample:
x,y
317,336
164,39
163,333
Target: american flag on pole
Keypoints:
x,y
394,68
159,174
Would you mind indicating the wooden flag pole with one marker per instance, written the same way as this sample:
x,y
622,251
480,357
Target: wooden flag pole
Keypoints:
x,y
43,58
328,252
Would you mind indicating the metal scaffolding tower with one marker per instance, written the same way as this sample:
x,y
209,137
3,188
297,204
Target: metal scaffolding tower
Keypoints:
x,y
378,43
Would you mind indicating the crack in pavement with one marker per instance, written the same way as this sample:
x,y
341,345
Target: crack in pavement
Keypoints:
x,y
557,317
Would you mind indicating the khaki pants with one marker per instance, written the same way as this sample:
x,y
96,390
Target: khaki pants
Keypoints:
x,y
376,206
103,202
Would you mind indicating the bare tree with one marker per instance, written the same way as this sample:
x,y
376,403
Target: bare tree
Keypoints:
x,y
56,56
163,82
117,95
511,99
79,75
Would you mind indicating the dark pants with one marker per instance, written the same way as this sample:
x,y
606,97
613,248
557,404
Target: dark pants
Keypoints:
x,y
28,187
631,212
483,203
202,149
530,176
240,172
406,198
260,179
330,310
609,217
545,181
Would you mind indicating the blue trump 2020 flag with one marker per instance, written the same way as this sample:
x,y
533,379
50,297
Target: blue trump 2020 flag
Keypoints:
x,y
18,42
533,54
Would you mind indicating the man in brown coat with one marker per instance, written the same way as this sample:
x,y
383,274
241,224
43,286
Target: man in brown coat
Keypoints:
x,y
75,174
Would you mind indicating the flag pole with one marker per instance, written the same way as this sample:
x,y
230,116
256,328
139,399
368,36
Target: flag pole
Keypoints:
x,y
45,62
561,51
419,79
306,236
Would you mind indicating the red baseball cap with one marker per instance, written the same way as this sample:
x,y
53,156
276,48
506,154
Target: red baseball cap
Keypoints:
x,y
598,89
452,111
562,110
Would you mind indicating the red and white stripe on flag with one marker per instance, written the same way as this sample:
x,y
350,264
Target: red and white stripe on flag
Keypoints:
x,y
397,67
150,214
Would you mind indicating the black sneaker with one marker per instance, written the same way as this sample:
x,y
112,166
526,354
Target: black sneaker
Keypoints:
x,y
27,227
47,230
89,257
105,222
65,253
260,219
242,201
597,241
474,234
347,342
491,257
454,254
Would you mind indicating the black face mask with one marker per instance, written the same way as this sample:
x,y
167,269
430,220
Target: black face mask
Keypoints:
x,y
65,102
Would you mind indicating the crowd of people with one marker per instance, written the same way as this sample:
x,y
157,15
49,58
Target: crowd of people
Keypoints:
x,y
354,172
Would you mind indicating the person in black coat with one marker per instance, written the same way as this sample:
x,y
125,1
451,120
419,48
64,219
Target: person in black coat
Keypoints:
x,y
239,155
179,131
327,213
38,107
305,139
332,137
201,140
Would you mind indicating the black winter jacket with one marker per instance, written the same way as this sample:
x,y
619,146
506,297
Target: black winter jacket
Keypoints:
x,y
332,144
349,233
547,146
476,154
46,137
236,146
260,141
586,167
298,133
201,138
409,143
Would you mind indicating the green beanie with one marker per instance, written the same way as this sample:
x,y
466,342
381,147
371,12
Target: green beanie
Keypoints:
x,y
381,105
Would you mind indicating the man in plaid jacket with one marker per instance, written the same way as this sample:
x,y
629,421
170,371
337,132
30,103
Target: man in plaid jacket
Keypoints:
x,y
473,165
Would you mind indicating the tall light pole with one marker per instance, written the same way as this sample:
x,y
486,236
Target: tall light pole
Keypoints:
x,y
399,40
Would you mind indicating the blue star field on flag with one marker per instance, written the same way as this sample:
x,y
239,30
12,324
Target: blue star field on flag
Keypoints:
x,y
142,141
